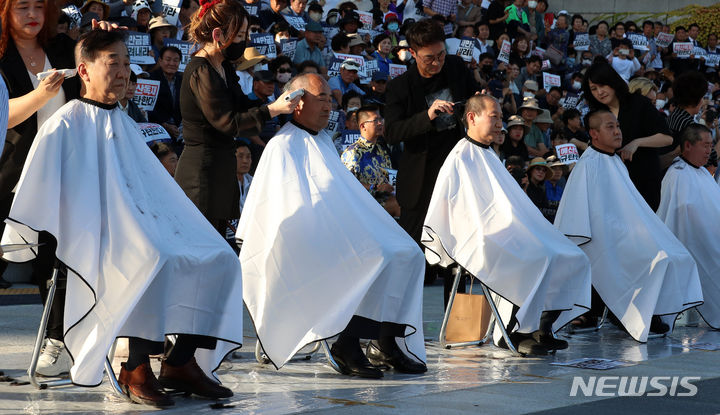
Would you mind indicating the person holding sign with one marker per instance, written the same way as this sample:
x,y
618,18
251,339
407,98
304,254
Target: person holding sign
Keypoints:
x,y
314,240
215,111
167,108
640,270
482,220
689,196
91,183
369,160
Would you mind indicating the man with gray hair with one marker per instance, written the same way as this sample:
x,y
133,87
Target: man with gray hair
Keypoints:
x,y
141,260
689,204
321,257
482,220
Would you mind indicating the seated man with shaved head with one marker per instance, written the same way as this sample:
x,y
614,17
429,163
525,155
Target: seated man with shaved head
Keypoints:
x,y
321,257
482,220
141,261
640,270
689,196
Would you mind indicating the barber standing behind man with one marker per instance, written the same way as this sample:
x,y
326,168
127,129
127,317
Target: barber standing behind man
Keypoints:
x,y
419,113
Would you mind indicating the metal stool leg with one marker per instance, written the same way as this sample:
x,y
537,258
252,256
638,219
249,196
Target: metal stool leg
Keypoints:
x,y
499,321
41,336
262,358
446,318
603,319
111,376
328,355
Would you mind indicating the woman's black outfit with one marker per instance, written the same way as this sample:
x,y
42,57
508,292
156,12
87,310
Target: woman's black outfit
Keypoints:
x,y
60,53
214,113
639,118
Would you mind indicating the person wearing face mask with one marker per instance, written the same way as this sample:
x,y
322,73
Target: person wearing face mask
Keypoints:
x,y
391,23
215,110
402,54
314,12
536,18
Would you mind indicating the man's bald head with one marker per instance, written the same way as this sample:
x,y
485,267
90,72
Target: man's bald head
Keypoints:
x,y
483,118
604,130
313,111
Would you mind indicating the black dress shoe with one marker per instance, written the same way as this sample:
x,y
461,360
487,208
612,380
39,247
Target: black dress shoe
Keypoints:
x,y
549,341
657,326
352,362
524,344
394,358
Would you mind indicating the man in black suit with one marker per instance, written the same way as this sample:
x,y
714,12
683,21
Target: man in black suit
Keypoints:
x,y
419,113
167,106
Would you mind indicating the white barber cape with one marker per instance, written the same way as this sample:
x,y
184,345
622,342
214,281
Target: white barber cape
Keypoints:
x,y
480,218
690,207
317,250
639,268
142,260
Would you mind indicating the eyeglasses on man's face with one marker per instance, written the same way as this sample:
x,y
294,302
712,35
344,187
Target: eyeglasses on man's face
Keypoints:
x,y
429,59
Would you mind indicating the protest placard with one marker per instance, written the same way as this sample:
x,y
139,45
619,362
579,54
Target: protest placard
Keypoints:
x,y
567,153
333,122
546,64
252,9
581,42
392,177
570,101
465,48
664,40
349,137
186,48
288,46
504,55
296,21
366,18
538,51
146,93
74,14
639,41
595,363
138,45
550,80
485,4
334,67
371,66
171,9
397,70
264,43
357,58
712,60
683,49
153,133
699,52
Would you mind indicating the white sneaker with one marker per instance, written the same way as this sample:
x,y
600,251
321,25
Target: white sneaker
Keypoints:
x,y
54,359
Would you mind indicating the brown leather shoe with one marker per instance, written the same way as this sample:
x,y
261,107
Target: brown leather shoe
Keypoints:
x,y
191,379
141,386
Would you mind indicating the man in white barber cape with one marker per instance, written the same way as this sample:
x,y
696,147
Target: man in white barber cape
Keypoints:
x,y
481,219
142,262
690,206
321,257
640,270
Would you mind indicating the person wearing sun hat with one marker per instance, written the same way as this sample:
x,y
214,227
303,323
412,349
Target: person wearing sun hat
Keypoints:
x,y
529,111
554,185
98,7
160,29
514,144
538,172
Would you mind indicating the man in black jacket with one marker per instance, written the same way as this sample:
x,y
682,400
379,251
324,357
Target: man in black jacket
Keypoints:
x,y
167,107
420,112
